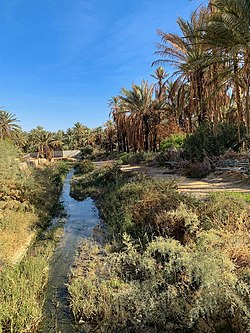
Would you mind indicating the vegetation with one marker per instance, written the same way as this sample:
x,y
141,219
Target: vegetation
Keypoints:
x,y
209,85
175,141
85,166
29,199
173,264
204,140
8,127
22,290
211,82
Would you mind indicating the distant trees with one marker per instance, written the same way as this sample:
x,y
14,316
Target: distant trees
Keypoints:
x,y
210,82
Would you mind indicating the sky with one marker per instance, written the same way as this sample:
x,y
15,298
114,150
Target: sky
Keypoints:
x,y
62,60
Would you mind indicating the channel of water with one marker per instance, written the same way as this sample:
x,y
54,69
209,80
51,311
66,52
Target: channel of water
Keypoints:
x,y
81,219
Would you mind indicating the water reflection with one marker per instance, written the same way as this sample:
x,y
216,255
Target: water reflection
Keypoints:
x,y
82,217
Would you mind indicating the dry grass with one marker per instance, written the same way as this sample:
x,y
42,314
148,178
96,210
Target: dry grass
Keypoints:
x,y
16,234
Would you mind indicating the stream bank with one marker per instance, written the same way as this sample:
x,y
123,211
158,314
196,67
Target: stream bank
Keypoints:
x,y
81,218
174,263
29,200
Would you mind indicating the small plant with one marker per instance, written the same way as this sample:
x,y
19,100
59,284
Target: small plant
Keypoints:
x,y
173,141
136,158
196,171
88,150
85,167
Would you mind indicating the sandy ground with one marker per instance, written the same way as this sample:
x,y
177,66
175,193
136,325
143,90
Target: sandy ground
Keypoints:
x,y
218,182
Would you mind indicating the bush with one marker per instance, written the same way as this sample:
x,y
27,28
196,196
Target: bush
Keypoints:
x,y
196,171
22,291
214,145
173,141
136,158
85,167
175,264
28,200
88,150
166,287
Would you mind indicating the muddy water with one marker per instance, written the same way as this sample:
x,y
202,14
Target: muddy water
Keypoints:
x,y
82,218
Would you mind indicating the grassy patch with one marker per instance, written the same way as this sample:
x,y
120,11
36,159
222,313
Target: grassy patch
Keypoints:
x,y
28,201
173,264
22,289
237,195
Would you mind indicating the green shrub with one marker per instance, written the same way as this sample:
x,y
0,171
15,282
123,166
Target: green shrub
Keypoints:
x,y
167,287
205,140
175,264
196,170
22,291
85,167
136,158
173,141
88,150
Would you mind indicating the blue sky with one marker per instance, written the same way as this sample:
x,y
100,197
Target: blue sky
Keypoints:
x,y
61,60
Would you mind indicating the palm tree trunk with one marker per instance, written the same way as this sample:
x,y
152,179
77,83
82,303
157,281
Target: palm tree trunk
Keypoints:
x,y
247,106
237,97
247,80
146,132
203,116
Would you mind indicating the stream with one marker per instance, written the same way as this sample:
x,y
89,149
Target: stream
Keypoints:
x,y
81,219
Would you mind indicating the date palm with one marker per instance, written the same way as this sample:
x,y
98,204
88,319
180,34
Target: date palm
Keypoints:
x,y
143,109
189,57
121,121
110,134
81,134
43,141
9,129
228,30
160,87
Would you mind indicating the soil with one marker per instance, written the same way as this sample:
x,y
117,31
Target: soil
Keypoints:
x,y
216,182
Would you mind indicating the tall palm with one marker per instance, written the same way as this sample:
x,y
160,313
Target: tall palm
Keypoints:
x,y
121,122
58,139
8,126
138,102
98,135
110,132
160,87
81,134
143,109
189,57
228,30
44,142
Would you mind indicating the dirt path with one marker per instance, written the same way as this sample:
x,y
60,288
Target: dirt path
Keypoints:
x,y
213,183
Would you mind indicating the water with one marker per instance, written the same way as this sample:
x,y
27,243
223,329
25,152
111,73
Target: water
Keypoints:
x,y
82,217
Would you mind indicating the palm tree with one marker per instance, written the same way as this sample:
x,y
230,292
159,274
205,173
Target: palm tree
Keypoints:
x,y
189,57
8,126
143,110
228,31
43,141
160,87
110,132
59,139
81,134
121,122
69,139
138,103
